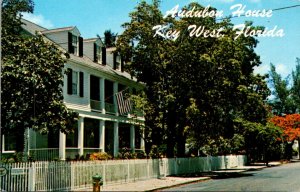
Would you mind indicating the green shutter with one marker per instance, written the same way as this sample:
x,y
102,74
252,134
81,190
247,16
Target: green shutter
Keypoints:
x,y
70,46
81,84
104,55
69,81
80,46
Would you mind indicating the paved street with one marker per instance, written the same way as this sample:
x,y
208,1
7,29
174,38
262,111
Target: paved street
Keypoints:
x,y
280,178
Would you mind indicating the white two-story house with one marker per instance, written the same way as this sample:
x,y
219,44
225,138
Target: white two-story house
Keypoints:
x,y
96,75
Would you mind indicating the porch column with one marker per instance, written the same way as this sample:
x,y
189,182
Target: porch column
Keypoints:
x,y
80,135
102,95
115,99
132,138
116,139
143,139
102,136
62,146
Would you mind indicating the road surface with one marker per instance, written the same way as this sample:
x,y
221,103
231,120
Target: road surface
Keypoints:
x,y
281,178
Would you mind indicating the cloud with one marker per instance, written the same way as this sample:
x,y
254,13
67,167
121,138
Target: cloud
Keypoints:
x,y
282,69
262,69
38,19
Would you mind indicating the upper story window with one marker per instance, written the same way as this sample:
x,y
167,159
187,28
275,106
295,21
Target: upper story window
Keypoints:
x,y
75,44
116,61
98,54
75,83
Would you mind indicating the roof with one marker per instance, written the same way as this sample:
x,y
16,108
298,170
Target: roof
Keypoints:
x,y
90,39
32,28
58,30
105,68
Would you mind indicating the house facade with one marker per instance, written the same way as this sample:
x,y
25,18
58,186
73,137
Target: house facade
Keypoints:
x,y
95,76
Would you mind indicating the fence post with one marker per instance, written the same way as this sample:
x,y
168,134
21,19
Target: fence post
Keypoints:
x,y
31,177
72,176
128,176
104,173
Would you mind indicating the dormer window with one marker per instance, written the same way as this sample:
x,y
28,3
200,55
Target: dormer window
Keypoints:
x,y
75,44
98,54
116,61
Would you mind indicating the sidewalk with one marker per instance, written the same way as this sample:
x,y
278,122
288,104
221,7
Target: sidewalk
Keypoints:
x,y
151,184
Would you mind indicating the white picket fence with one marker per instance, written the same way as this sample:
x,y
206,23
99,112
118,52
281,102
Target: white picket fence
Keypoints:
x,y
58,176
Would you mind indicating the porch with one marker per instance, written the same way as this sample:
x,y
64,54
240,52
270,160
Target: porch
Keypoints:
x,y
89,136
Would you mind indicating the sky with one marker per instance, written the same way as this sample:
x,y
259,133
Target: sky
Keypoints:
x,y
93,17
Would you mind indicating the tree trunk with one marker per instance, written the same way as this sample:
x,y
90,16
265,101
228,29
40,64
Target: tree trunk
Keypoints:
x,y
20,140
171,131
181,140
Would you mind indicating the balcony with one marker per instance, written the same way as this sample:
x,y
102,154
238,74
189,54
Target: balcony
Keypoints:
x,y
95,105
110,108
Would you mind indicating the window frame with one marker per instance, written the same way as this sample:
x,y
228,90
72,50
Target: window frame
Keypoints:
x,y
75,44
77,82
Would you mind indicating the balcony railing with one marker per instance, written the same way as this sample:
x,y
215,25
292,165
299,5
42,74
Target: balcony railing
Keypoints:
x,y
110,108
95,105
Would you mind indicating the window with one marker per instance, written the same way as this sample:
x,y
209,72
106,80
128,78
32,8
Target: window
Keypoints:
x,y
98,53
74,82
118,62
9,142
74,43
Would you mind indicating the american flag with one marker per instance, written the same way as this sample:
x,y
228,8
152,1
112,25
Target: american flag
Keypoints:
x,y
124,104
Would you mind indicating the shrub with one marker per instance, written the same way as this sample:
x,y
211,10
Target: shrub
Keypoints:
x,y
100,156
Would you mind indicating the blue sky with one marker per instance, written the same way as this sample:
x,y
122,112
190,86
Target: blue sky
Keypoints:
x,y
93,17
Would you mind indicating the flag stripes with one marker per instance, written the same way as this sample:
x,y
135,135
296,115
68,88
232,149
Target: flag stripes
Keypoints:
x,y
124,104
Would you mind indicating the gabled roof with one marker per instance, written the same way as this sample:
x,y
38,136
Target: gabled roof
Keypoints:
x,y
94,40
90,40
32,28
58,30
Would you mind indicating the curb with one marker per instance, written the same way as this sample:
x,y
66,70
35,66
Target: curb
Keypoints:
x,y
179,184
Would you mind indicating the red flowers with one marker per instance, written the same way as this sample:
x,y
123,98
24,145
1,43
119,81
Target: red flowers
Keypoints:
x,y
290,125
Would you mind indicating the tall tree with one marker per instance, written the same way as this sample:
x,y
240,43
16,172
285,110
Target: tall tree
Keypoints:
x,y
283,103
109,38
196,86
296,85
32,79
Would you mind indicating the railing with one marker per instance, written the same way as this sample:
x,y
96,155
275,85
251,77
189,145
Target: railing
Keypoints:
x,y
110,108
95,105
44,154
72,152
